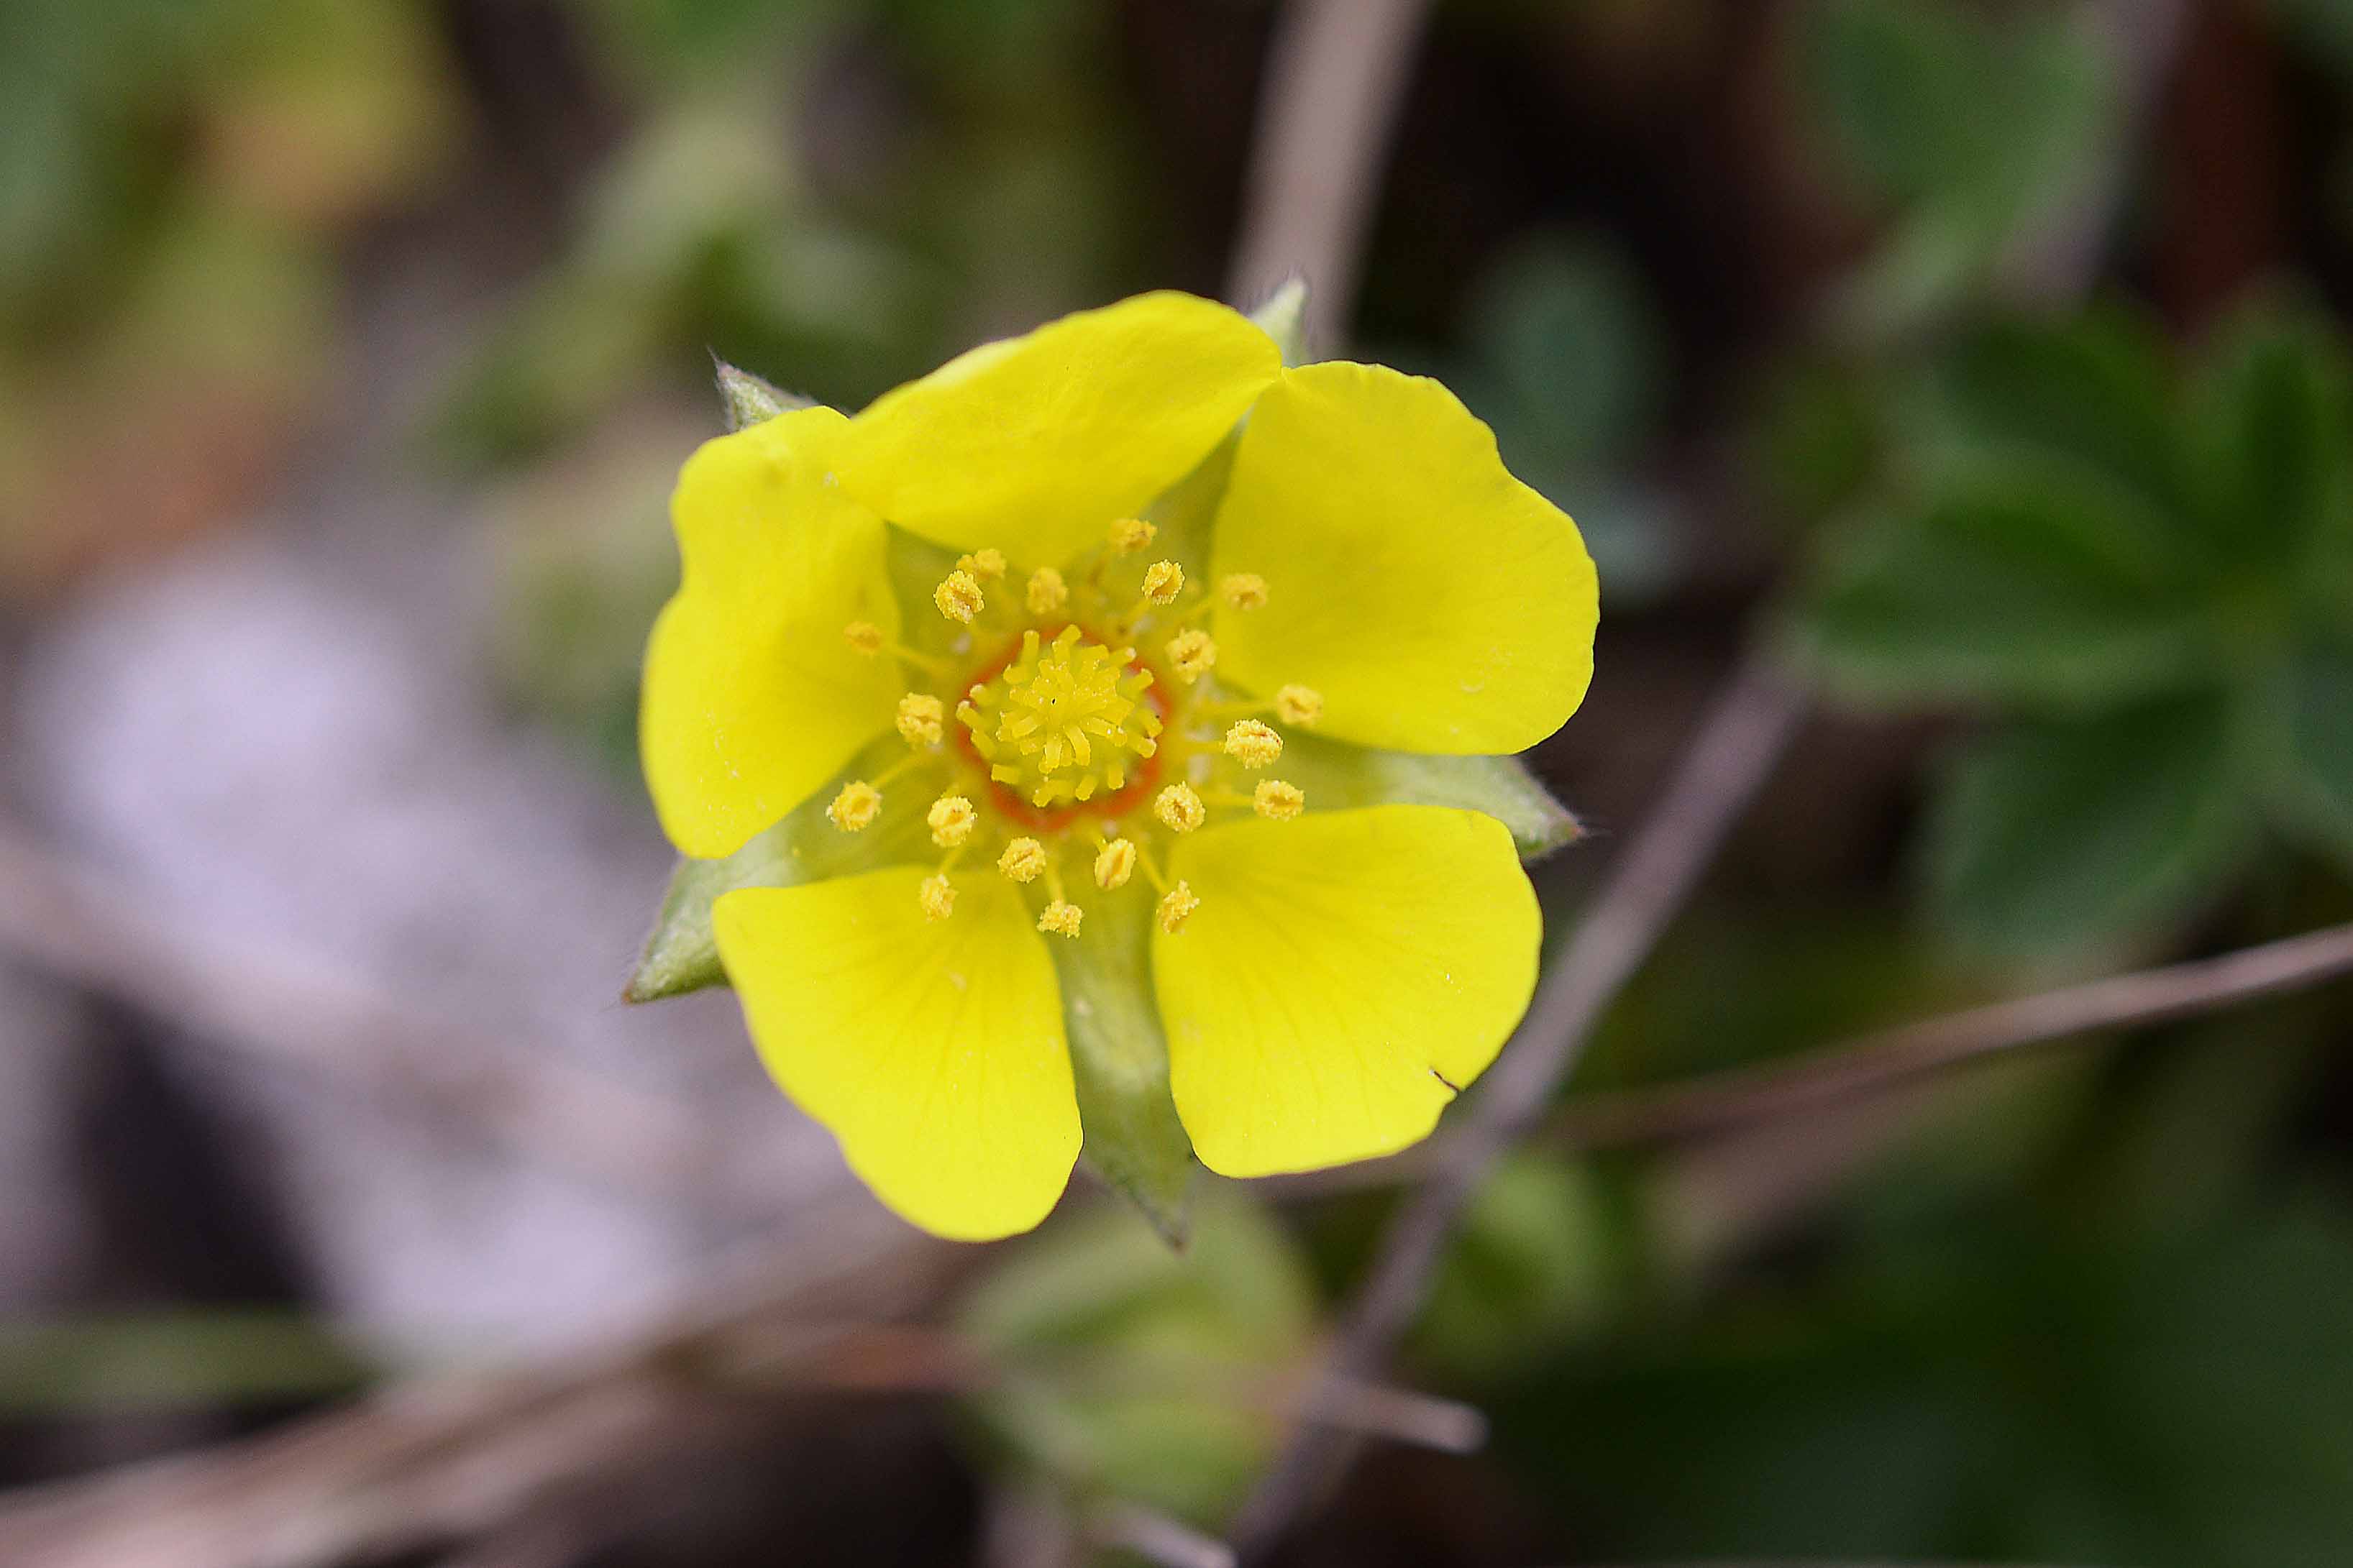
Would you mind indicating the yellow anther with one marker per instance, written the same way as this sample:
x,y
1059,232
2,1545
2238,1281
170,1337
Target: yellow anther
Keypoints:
x,y
958,596
856,807
1301,705
1243,591
1176,907
1130,534
1048,592
1277,801
863,636
920,719
1163,581
1062,918
937,896
1023,859
1114,864
988,565
952,820
1190,654
1253,743
1179,808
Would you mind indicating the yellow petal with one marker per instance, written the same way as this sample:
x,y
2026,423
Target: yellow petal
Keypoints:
x,y
1437,603
1037,443
932,1049
753,697
1344,975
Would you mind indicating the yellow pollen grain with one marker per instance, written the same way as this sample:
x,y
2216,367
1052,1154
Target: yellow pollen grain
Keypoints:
x,y
1277,801
922,719
1047,592
1253,743
1114,864
952,819
1190,654
1062,918
988,565
1302,705
1243,591
1130,534
1023,859
856,807
958,596
937,896
863,636
1176,907
1179,808
1163,581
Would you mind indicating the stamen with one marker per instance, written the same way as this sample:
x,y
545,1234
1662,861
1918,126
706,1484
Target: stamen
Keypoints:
x,y
1253,743
937,896
1277,801
1301,705
1047,592
958,596
1023,859
1114,863
1190,654
863,636
988,565
1163,581
1176,907
856,807
921,719
1243,591
1130,534
1179,808
1062,918
952,820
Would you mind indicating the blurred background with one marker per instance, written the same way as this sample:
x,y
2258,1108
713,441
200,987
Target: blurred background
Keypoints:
x,y
1980,366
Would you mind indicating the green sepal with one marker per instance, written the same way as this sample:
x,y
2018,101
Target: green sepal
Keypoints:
x,y
1119,1062
2318,785
748,400
1284,318
681,955
1337,776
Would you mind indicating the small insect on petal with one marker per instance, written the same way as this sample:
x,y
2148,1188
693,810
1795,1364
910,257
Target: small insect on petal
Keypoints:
x,y
1301,705
1176,907
937,898
1179,808
1163,581
1114,864
952,819
1243,591
1047,592
1023,860
1253,743
958,596
922,719
856,807
1277,801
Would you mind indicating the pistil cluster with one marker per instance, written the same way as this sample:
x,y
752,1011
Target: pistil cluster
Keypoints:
x,y
1088,725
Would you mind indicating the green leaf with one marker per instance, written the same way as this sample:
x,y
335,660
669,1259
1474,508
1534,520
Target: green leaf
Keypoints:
x,y
1568,339
2272,423
1120,1062
2090,389
2320,747
681,955
749,400
2024,580
2054,836
1900,86
1284,318
1531,1268
1336,775
141,1360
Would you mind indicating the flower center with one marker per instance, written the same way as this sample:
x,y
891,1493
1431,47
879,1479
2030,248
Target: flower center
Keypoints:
x,y
1063,722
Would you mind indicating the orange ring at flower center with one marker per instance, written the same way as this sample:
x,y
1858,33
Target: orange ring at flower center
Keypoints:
x,y
1131,797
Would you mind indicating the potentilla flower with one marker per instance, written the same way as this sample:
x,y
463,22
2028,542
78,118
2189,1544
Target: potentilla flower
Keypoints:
x,y
1095,724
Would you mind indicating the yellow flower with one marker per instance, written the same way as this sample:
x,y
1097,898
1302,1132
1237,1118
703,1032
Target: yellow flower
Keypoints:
x,y
1330,962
